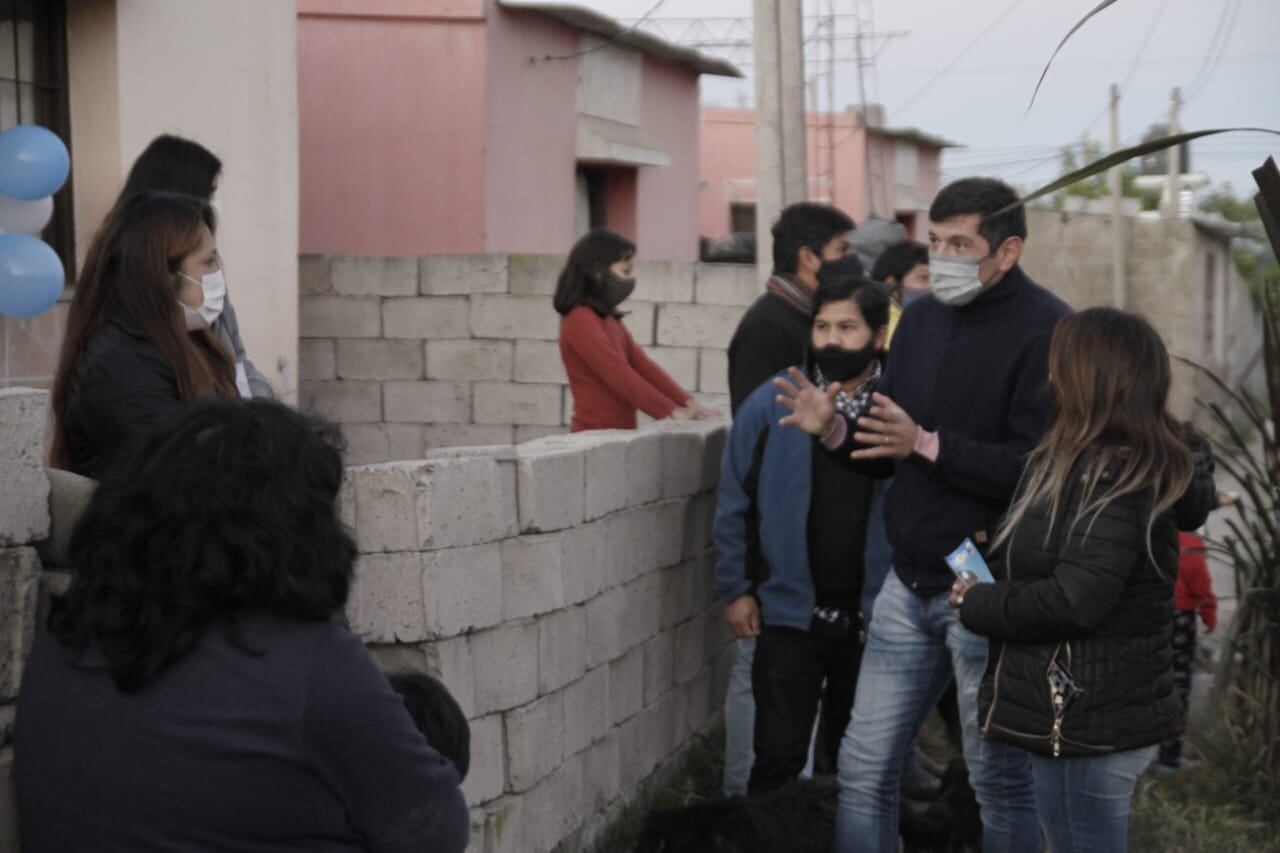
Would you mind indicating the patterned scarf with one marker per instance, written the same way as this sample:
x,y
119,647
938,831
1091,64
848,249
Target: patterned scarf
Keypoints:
x,y
791,291
852,405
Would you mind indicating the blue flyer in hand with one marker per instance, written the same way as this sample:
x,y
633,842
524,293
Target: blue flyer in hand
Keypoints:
x,y
967,558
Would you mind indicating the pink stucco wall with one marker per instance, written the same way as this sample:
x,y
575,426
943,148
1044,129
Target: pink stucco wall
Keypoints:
x,y
382,102
728,151
531,133
667,196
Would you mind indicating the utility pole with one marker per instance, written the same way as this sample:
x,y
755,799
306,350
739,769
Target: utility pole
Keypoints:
x,y
1119,227
1174,186
781,168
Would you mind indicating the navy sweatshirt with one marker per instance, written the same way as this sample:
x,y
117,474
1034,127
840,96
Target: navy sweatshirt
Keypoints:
x,y
978,376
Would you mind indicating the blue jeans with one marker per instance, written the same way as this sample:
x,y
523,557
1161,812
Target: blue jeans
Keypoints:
x,y
739,721
913,646
1084,802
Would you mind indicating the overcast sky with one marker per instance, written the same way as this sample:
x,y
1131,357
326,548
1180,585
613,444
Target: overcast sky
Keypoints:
x,y
979,102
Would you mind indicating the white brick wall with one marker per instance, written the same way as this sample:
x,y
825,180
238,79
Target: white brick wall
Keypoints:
x,y
487,343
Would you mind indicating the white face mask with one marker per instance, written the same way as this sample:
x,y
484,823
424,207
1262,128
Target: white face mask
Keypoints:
x,y
955,280
214,288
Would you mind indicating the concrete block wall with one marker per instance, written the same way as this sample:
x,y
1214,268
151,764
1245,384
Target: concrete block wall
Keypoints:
x,y
412,354
24,521
562,589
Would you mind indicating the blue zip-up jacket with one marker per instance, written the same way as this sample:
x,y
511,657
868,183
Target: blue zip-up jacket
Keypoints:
x,y
761,531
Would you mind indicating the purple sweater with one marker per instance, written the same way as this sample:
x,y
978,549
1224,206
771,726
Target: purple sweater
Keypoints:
x,y
301,746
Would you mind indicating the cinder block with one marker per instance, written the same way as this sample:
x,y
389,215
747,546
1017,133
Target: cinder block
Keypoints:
x,y
630,754
535,275
664,281
631,548
690,647
550,485
562,648
425,317
697,325
716,436
605,626
438,436
331,316
539,362
512,317
366,444
728,284
626,685
535,741
698,520
659,665
379,359
702,702
644,467
533,433
641,618
531,578
680,362
682,451
450,661
486,777
713,371
668,519
470,360
466,585
313,274
716,632
676,586
386,603
429,504
608,484
566,799
441,275
517,403
602,773
373,275
19,593
586,710
640,321
349,401
504,825
582,561
427,402
506,666
24,498
317,359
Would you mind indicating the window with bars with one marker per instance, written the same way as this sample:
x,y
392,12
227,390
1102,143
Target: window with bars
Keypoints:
x,y
33,90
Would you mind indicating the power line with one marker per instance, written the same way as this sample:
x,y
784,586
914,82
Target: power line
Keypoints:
x,y
606,43
1142,49
959,56
1217,60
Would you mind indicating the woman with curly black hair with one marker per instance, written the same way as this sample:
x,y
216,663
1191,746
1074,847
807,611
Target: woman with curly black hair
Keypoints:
x,y
196,687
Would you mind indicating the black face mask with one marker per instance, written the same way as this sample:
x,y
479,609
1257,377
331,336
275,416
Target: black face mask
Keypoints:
x,y
839,364
615,290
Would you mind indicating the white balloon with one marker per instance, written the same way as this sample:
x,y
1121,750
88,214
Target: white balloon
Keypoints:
x,y
25,217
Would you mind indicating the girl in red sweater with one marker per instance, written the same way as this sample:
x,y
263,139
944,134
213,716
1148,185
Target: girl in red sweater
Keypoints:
x,y
1192,595
609,374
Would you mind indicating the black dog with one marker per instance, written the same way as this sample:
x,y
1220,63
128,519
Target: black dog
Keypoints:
x,y
800,818
949,824
437,715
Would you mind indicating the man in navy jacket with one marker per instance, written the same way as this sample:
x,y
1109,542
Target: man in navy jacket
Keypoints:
x,y
958,420
790,532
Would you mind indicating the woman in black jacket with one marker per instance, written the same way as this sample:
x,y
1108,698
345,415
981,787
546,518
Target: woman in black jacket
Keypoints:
x,y
136,348
1080,673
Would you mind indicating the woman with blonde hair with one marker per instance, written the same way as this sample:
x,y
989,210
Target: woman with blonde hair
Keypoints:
x,y
1080,673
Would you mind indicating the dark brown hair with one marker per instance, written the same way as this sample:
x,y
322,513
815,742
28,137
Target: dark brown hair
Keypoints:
x,y
1110,376
128,276
585,269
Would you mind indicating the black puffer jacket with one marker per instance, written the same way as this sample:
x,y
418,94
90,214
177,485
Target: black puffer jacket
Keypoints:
x,y
1090,611
122,386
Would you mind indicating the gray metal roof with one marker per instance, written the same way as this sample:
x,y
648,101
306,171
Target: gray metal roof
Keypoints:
x,y
593,22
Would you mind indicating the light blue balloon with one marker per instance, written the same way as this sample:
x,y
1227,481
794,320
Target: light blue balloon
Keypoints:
x,y
31,275
33,162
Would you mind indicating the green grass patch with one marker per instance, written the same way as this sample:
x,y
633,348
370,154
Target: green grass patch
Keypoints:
x,y
699,778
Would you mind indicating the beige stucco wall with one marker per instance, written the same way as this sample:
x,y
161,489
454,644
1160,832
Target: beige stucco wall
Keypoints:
x,y
222,72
